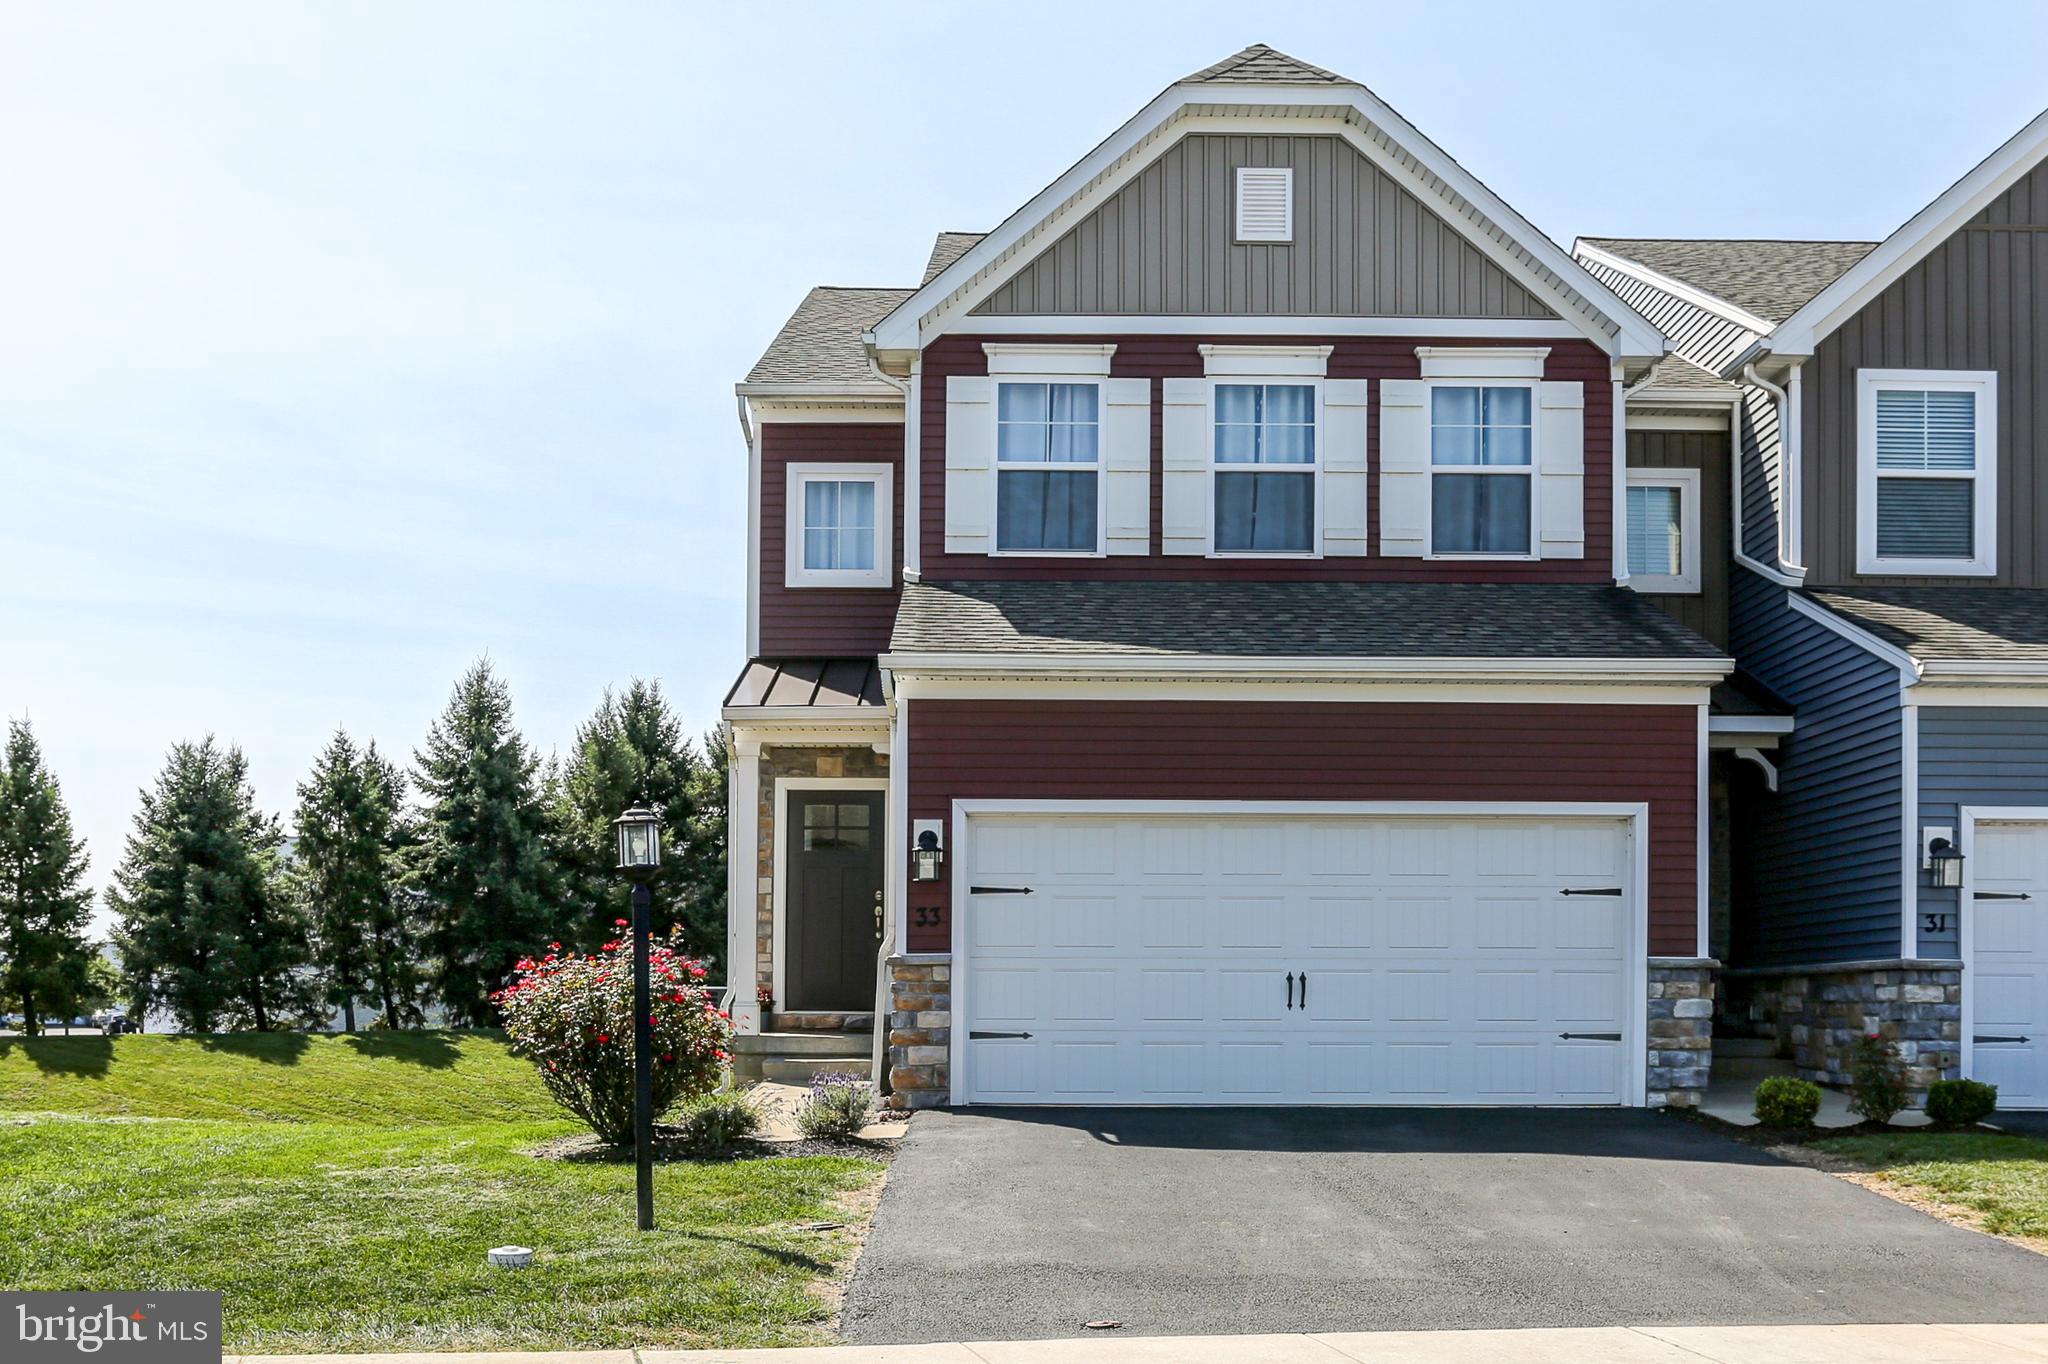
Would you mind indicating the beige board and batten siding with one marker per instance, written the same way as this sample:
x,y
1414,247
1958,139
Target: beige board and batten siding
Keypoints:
x,y
1979,301
1705,612
1165,244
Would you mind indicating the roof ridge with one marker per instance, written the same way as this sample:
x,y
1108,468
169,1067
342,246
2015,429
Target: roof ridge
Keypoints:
x,y
1255,52
1743,241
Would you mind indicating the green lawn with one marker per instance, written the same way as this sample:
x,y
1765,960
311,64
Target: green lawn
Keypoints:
x,y
342,1192
2001,1179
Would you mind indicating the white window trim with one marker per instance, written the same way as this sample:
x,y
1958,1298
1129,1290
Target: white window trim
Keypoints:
x,y
1687,481
1982,383
883,574
998,467
1531,470
1223,374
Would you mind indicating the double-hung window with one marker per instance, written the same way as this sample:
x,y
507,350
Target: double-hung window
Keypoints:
x,y
1663,530
1265,469
1481,468
839,522
1048,468
1927,470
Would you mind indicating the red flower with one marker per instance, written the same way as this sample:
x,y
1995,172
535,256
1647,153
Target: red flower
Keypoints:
x,y
620,922
668,1056
604,1037
554,947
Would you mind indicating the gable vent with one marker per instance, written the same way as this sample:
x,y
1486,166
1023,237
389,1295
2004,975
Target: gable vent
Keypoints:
x,y
1265,204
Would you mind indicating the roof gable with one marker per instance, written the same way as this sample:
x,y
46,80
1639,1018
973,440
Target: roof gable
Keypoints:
x,y
1260,90
1914,241
1767,280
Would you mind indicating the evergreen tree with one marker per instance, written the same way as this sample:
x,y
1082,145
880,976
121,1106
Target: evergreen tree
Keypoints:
x,y
44,901
345,873
632,751
207,931
702,850
481,860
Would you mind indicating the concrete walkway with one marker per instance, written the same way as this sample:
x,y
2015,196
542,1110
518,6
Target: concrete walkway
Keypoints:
x,y
1904,1344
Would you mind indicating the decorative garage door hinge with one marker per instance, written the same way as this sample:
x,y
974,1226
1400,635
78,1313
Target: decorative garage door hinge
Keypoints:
x,y
1982,1038
989,1036
2001,895
1590,1036
999,890
1596,890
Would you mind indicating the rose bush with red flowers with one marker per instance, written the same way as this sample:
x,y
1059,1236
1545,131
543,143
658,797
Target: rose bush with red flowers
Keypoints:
x,y
572,1016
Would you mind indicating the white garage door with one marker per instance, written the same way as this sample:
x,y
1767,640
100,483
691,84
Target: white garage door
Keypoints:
x,y
2007,977
1340,960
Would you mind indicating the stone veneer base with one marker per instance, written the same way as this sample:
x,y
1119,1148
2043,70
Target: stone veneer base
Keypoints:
x,y
920,1023
1816,1015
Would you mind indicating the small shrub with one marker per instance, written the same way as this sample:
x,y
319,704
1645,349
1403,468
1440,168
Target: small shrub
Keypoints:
x,y
572,1016
1786,1101
837,1106
716,1123
1877,1088
1960,1103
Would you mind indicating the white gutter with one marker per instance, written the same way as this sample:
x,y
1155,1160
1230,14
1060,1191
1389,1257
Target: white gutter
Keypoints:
x,y
908,390
748,433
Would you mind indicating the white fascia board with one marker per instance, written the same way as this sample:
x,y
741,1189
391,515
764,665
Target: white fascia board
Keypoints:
x,y
840,390
768,410
1749,724
808,724
1981,670
1677,288
1908,666
1240,324
1915,239
1228,107
1676,670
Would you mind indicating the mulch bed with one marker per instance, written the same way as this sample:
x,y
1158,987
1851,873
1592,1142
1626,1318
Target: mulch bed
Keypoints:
x,y
668,1146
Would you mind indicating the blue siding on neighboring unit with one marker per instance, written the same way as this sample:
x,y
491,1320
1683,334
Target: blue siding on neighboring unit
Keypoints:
x,y
1821,880
1975,755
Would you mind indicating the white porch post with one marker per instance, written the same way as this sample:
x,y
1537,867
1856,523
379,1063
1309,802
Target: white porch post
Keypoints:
x,y
743,872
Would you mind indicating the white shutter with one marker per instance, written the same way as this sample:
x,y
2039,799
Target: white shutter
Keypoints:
x,y
1184,460
1561,470
1344,476
1404,467
970,463
1127,465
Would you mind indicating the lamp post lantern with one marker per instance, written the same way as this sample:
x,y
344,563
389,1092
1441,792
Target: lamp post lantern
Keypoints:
x,y
639,831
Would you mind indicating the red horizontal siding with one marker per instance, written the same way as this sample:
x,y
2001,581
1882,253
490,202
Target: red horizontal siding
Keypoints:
x,y
1199,750
1356,357
824,621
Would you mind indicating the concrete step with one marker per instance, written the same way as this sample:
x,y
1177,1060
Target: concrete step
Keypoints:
x,y
801,1070
850,1044
1750,1069
1744,1046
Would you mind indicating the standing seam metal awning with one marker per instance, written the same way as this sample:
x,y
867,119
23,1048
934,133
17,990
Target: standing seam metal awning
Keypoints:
x,y
808,682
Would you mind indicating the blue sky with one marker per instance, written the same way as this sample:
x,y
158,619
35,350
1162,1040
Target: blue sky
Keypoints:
x,y
341,344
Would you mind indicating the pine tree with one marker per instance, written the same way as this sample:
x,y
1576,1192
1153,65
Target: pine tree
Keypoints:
x,y
480,861
345,872
44,902
702,850
632,751
207,931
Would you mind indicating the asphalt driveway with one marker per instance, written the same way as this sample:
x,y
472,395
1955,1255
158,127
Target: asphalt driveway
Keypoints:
x,y
1029,1223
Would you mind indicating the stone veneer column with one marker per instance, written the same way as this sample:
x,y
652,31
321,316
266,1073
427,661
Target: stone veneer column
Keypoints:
x,y
1817,1016
1681,1032
920,1031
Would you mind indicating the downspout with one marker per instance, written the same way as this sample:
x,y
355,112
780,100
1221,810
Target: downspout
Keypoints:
x,y
1786,571
747,433
896,843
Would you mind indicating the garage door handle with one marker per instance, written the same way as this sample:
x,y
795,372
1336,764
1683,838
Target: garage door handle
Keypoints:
x,y
1304,989
1590,1036
1597,890
1981,1040
992,1036
1290,989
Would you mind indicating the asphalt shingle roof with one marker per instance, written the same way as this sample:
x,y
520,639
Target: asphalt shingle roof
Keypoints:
x,y
1676,372
1261,65
1290,620
821,340
1965,624
1771,279
950,246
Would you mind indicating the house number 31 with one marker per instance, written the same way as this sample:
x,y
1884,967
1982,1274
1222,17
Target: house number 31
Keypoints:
x,y
1935,923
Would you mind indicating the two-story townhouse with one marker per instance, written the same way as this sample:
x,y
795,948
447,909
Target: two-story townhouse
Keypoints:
x,y
1890,582
1187,660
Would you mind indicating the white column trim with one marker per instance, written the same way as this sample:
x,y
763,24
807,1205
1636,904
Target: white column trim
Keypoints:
x,y
742,885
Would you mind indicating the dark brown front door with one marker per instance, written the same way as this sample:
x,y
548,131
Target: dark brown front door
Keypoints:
x,y
835,899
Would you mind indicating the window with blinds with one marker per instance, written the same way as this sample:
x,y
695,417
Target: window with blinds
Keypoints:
x,y
1927,471
1265,204
1662,528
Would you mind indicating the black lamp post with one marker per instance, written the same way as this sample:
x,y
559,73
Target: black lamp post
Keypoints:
x,y
639,855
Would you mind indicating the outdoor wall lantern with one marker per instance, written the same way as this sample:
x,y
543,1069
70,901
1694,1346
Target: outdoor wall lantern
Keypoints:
x,y
927,857
1945,862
